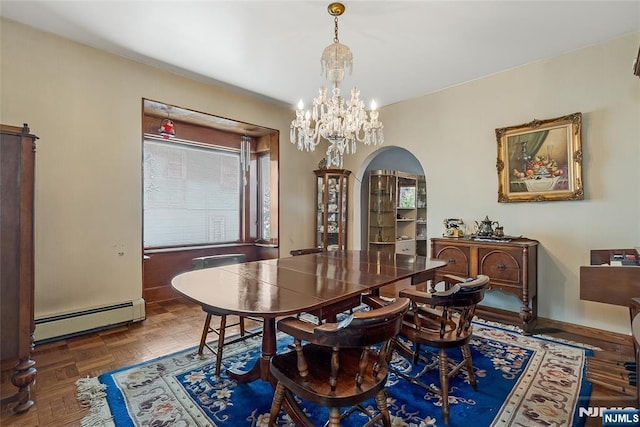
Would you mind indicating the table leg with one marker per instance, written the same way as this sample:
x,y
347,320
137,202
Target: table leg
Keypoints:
x,y
260,370
423,277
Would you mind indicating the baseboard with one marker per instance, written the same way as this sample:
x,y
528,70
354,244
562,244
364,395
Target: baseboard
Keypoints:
x,y
587,331
69,324
542,323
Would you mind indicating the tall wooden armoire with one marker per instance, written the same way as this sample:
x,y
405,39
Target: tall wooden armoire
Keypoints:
x,y
17,161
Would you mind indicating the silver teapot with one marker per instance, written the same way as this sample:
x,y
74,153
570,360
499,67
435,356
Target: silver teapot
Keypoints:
x,y
485,227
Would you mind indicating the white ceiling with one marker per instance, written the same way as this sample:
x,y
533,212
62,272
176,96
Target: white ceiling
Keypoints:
x,y
402,49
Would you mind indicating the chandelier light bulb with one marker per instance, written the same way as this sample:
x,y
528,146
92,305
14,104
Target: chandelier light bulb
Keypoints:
x,y
340,121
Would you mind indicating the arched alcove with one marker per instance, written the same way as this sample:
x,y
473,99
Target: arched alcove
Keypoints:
x,y
387,158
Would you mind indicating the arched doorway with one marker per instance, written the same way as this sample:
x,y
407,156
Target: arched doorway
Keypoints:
x,y
388,158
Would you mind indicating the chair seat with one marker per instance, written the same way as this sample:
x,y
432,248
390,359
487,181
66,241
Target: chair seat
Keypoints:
x,y
316,388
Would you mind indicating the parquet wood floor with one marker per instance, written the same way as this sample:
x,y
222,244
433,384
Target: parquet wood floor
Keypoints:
x,y
171,326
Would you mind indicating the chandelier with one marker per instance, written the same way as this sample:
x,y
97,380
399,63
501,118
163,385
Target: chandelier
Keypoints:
x,y
340,121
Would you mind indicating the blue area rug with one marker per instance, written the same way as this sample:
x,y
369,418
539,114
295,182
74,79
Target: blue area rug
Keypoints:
x,y
522,380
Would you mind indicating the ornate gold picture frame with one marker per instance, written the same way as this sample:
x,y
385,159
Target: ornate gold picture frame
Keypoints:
x,y
541,160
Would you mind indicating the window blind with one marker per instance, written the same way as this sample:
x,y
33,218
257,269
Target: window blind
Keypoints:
x,y
191,194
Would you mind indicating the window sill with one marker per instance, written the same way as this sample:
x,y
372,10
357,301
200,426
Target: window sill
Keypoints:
x,y
192,248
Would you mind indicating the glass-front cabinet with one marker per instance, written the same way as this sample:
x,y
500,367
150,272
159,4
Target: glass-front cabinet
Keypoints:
x,y
332,193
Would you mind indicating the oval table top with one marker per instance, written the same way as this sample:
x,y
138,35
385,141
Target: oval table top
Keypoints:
x,y
282,286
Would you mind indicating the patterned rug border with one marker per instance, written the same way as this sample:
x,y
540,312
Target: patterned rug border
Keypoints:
x,y
91,392
513,328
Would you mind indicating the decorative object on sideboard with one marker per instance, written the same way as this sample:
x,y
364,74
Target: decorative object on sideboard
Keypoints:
x,y
488,230
485,227
636,64
453,227
541,160
340,121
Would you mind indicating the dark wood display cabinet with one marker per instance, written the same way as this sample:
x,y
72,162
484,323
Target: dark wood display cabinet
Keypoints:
x,y
512,267
17,161
332,195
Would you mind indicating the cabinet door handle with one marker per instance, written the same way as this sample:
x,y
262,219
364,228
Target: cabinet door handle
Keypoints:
x,y
501,267
451,261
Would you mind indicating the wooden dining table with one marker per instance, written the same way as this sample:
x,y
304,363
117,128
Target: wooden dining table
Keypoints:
x,y
323,283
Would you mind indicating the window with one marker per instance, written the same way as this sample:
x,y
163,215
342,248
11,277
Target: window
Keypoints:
x,y
191,194
211,184
264,198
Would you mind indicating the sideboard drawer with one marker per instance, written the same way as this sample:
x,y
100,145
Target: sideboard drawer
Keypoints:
x,y
501,266
457,258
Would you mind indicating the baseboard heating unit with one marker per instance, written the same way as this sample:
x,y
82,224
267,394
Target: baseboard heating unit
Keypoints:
x,y
62,326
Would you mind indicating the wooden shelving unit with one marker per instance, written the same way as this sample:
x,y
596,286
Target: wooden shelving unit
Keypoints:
x,y
396,213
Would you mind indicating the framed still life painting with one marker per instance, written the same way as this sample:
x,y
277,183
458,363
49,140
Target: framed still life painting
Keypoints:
x,y
541,160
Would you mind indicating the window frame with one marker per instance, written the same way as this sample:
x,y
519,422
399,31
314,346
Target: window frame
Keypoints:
x,y
208,131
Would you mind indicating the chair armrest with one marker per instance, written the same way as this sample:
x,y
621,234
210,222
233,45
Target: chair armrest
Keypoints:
x,y
297,328
384,311
431,298
373,301
467,283
311,332
479,282
452,278
306,331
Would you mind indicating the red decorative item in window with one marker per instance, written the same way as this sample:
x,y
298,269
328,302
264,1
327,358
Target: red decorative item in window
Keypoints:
x,y
167,129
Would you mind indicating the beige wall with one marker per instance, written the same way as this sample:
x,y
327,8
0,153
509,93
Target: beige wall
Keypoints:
x,y
452,133
85,105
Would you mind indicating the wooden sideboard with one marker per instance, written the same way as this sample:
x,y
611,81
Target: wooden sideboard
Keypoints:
x,y
17,150
512,267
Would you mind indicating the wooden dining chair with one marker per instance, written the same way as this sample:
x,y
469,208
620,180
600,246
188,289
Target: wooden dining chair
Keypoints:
x,y
442,320
218,261
339,365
